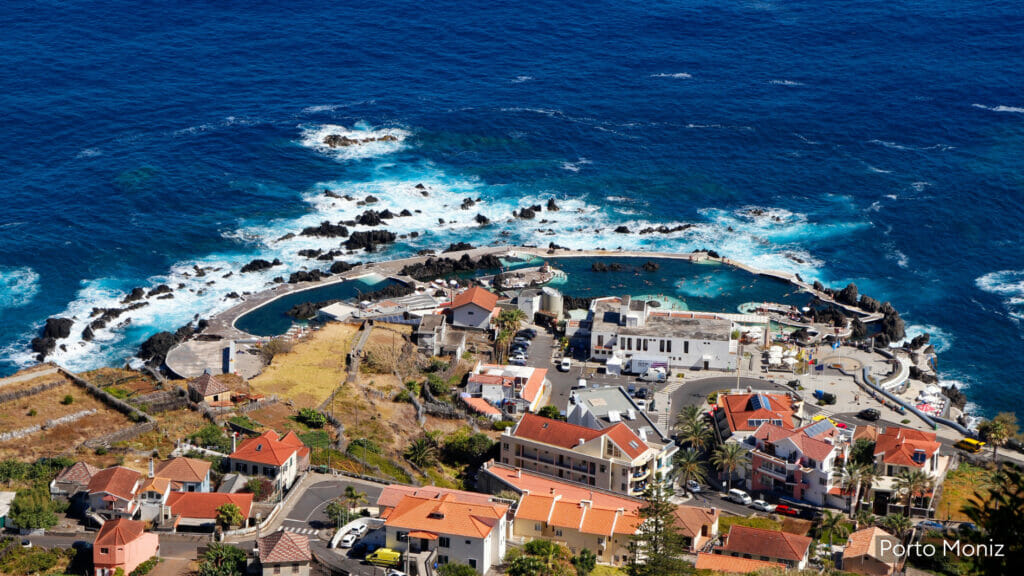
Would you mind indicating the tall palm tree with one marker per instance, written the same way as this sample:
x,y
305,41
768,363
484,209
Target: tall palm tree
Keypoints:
x,y
697,434
898,524
689,466
853,476
501,343
727,458
833,524
687,416
354,497
999,430
912,483
511,319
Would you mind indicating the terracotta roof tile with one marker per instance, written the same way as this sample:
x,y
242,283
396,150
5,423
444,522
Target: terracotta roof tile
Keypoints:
x,y
898,446
446,515
78,473
482,406
534,384
732,564
207,385
741,408
118,480
183,469
535,507
204,504
567,515
391,495
284,546
866,542
808,446
476,295
268,448
763,542
119,532
565,435
690,519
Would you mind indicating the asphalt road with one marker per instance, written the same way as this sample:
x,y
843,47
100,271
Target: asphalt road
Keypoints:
x,y
309,511
171,545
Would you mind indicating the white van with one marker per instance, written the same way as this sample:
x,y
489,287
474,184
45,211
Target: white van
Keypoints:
x,y
739,496
581,383
566,365
654,375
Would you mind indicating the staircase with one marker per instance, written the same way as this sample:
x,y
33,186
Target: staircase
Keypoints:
x,y
663,401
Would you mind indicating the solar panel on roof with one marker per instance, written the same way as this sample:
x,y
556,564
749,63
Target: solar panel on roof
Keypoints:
x,y
760,401
819,427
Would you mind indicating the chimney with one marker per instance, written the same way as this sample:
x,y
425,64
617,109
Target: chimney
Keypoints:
x,y
151,471
580,442
234,442
519,472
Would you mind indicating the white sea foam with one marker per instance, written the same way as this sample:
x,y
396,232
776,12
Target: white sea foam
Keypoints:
x,y
878,170
938,337
899,257
905,147
1012,109
18,286
89,153
520,79
806,140
313,137
680,75
227,122
575,166
920,186
785,82
1010,285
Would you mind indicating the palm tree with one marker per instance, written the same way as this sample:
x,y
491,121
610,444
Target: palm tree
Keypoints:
x,y
354,497
501,343
422,453
898,524
229,515
689,466
697,434
864,518
912,483
727,458
999,430
853,477
688,415
511,319
833,524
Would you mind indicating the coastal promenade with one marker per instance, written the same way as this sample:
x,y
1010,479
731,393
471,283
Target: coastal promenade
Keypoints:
x,y
223,323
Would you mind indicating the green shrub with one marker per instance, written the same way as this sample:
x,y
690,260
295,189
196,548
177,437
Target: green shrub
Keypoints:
x,y
32,412
311,418
438,387
503,425
67,399
102,450
145,567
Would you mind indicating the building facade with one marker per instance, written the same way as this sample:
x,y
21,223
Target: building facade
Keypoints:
x,y
474,308
122,544
278,458
804,464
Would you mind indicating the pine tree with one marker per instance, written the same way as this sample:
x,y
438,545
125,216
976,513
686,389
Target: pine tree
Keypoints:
x,y
658,541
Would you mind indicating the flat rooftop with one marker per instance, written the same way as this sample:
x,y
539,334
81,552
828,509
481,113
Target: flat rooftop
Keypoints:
x,y
609,405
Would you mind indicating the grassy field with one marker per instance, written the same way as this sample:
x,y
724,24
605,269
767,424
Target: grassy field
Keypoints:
x,y
312,370
121,383
725,522
960,486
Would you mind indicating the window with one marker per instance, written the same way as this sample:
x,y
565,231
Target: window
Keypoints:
x,y
442,559
468,543
536,526
661,345
191,487
104,550
600,340
443,542
505,445
602,468
295,568
686,347
277,569
472,562
668,347
558,532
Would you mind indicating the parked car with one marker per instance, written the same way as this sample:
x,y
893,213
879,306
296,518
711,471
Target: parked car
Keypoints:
x,y
841,425
565,365
518,356
967,527
784,510
384,557
762,506
641,403
26,543
359,529
517,361
631,389
739,496
521,341
529,333
654,375
348,540
693,486
927,525
394,573
870,414
580,384
642,393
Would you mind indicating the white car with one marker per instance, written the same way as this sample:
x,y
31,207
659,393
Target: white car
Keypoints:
x,y
762,506
641,403
394,572
359,529
565,365
348,540
692,486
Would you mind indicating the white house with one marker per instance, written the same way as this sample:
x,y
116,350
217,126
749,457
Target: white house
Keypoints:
x,y
279,458
642,337
474,308
437,525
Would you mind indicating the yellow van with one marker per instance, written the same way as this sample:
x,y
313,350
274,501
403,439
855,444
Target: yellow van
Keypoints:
x,y
970,445
384,557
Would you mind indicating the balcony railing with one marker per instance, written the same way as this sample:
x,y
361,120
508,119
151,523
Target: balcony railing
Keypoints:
x,y
641,474
772,471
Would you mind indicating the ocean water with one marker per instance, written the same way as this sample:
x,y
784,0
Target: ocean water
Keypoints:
x,y
882,143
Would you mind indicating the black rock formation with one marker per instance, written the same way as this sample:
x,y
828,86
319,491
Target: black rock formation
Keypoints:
x,y
57,328
552,206
161,289
326,230
369,240
458,247
482,220
622,230
650,266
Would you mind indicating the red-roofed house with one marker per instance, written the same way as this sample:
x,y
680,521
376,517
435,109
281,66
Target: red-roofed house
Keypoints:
x,y
572,514
731,565
901,449
766,545
208,388
474,308
112,492
451,525
199,509
741,414
279,458
697,525
613,458
865,553
284,553
123,544
517,389
803,464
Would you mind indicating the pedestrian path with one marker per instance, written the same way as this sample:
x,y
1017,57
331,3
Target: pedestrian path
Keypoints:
x,y
663,401
306,531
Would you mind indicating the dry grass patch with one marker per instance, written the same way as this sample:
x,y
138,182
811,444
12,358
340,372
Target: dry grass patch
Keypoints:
x,y
33,382
133,382
312,370
960,486
47,405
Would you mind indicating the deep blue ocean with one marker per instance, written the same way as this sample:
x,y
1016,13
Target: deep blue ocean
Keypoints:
x,y
884,142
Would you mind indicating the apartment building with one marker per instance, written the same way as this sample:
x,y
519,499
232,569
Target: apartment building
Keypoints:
x,y
613,458
804,464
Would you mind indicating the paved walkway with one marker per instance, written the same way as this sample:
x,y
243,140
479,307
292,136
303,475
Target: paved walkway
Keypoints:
x,y
28,377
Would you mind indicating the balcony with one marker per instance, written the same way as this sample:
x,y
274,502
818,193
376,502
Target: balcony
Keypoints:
x,y
780,474
641,474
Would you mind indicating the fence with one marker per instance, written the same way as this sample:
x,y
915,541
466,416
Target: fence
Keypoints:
x,y
10,396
